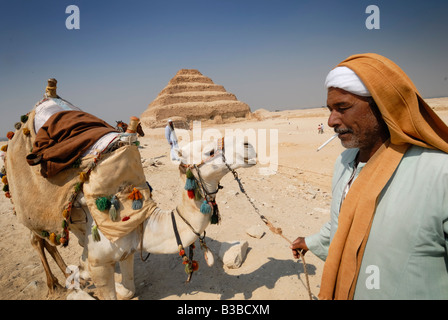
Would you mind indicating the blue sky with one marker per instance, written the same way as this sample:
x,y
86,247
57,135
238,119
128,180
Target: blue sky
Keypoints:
x,y
270,54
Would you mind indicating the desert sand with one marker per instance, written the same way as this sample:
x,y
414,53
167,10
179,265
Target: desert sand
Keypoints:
x,y
294,197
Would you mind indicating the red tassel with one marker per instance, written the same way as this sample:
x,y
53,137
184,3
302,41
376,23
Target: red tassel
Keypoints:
x,y
190,194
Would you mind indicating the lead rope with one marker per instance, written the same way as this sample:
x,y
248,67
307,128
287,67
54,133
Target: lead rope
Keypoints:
x,y
270,225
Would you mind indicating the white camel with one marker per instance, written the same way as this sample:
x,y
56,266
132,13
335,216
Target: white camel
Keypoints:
x,y
155,235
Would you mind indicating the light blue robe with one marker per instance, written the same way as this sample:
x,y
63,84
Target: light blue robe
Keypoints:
x,y
171,137
406,252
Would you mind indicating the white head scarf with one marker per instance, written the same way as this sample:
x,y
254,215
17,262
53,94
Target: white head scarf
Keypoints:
x,y
346,79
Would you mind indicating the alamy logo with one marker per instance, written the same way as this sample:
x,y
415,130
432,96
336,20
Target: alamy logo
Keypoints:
x,y
73,20
373,280
373,20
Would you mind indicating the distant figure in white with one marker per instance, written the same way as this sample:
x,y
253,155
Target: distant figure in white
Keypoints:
x,y
171,137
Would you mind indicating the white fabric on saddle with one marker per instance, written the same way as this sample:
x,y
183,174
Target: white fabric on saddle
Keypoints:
x,y
50,106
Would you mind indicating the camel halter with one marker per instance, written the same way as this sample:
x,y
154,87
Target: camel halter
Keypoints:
x,y
196,188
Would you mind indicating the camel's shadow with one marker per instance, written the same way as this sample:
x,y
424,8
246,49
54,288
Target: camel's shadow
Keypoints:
x,y
163,276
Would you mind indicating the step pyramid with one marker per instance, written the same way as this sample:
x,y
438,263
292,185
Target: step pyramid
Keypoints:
x,y
190,96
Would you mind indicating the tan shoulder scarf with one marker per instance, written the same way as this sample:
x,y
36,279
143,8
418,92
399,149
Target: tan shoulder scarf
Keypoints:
x,y
411,122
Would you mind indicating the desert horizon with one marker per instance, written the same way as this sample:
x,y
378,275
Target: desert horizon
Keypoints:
x,y
294,197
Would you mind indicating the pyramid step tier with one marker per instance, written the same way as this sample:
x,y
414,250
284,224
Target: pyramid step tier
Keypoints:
x,y
166,100
199,110
192,87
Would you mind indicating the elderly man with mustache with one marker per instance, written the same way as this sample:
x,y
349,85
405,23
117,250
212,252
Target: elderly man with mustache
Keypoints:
x,y
387,237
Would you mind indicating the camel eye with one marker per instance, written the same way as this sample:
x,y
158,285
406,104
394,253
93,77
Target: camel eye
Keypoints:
x,y
211,153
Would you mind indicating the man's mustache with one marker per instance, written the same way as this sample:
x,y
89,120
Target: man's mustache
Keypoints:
x,y
341,131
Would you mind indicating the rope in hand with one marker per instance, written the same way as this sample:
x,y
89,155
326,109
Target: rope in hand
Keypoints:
x,y
272,228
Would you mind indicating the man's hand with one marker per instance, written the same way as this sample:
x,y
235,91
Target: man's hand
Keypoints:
x,y
299,244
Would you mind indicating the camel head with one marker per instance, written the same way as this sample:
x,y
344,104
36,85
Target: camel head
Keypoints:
x,y
207,162
218,157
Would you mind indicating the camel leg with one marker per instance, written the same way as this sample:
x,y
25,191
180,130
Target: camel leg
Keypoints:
x,y
57,258
103,276
39,246
126,289
84,266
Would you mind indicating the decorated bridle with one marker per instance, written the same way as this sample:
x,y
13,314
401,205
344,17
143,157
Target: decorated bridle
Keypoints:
x,y
196,187
196,190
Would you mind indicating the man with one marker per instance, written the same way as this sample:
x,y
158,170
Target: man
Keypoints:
x,y
171,137
387,238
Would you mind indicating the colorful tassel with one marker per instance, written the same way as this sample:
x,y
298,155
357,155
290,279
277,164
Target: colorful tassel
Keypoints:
x,y
10,135
4,179
136,197
26,131
24,118
135,194
113,211
115,202
78,187
83,176
190,184
18,125
53,238
65,213
63,241
4,148
205,207
214,219
189,174
95,234
102,203
191,194
137,204
113,214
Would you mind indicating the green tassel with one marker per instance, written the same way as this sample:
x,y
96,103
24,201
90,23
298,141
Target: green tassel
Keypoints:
x,y
113,211
190,184
95,234
113,214
24,118
189,174
214,219
102,203
205,207
78,187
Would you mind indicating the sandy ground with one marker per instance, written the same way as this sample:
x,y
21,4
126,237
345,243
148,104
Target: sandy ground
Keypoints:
x,y
296,198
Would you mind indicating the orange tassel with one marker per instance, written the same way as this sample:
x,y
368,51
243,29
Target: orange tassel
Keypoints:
x,y
53,238
65,213
83,176
10,135
4,180
135,195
